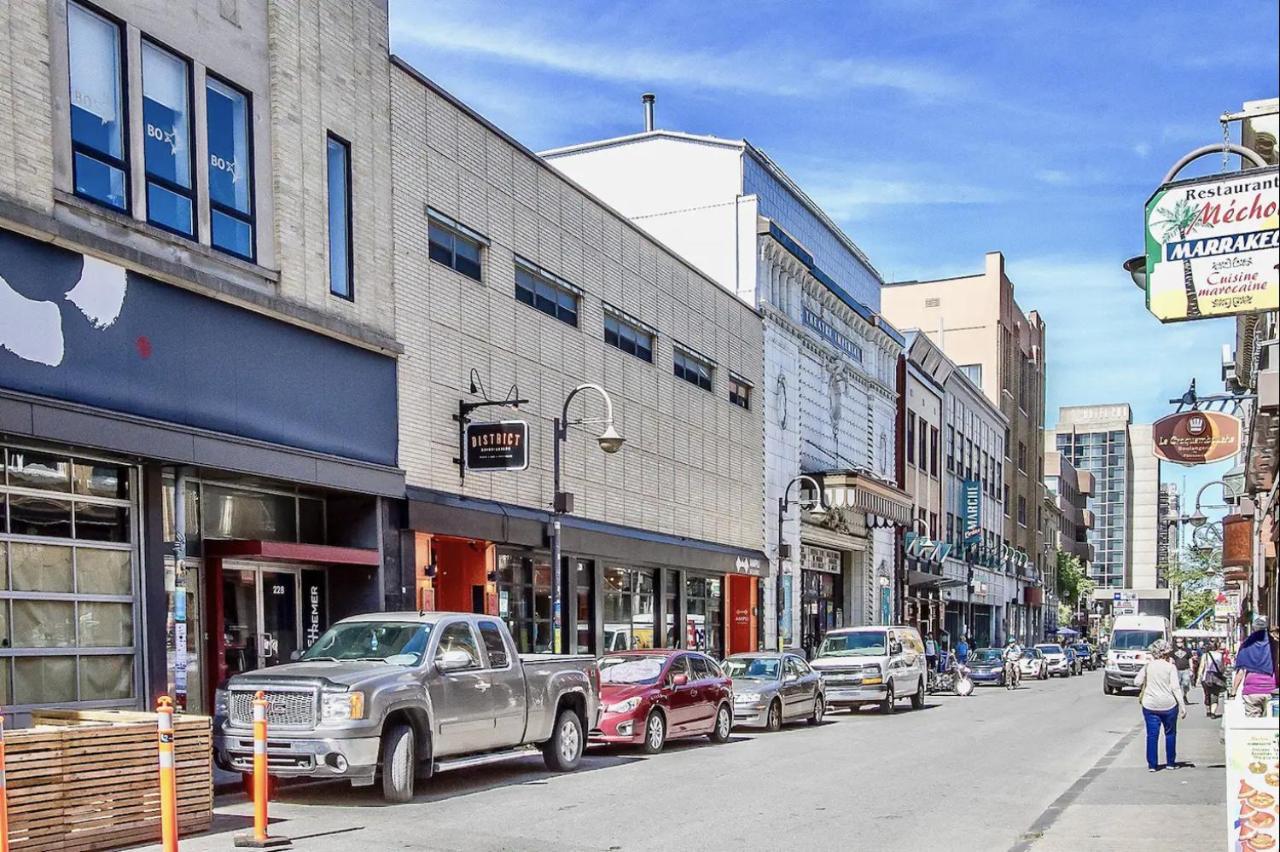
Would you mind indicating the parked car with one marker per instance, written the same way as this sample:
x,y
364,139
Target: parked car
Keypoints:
x,y
770,689
652,696
1055,658
986,665
1032,664
1085,655
872,665
406,694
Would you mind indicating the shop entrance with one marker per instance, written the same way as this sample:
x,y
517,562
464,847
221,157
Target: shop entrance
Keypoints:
x,y
261,616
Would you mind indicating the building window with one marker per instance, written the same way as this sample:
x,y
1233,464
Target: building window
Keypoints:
x,y
951,449
1006,442
911,437
339,195
166,126
454,244
550,294
228,129
1006,501
739,391
693,369
974,372
933,525
631,337
924,444
1022,511
1022,457
100,159
933,450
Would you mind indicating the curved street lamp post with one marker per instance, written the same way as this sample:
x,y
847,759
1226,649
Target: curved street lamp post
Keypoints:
x,y
562,502
784,551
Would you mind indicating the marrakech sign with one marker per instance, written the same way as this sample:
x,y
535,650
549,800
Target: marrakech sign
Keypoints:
x,y
1211,246
1196,437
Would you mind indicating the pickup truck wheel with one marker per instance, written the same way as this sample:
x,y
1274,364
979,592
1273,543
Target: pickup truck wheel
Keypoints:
x,y
563,751
398,764
655,732
724,724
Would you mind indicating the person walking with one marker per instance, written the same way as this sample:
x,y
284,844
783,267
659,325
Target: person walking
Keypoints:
x,y
962,650
1181,659
1162,704
1256,669
1212,674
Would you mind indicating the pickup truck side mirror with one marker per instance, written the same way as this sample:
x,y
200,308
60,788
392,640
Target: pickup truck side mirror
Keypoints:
x,y
453,661
679,680
895,648
295,656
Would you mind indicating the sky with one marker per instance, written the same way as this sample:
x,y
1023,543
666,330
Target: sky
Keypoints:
x,y
932,132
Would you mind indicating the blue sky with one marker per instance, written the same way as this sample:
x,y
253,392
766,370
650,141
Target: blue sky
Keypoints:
x,y
932,132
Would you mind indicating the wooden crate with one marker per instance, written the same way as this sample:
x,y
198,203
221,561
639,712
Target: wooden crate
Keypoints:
x,y
85,780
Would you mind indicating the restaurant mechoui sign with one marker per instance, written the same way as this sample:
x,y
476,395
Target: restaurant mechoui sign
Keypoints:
x,y
1196,437
1211,246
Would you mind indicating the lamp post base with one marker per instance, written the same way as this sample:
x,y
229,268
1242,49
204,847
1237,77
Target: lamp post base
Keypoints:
x,y
248,841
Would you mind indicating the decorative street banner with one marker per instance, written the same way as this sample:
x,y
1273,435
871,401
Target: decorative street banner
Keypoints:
x,y
1211,246
972,496
1196,437
498,446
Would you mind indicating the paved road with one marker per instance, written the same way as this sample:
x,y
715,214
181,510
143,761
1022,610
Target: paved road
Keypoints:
x,y
1053,765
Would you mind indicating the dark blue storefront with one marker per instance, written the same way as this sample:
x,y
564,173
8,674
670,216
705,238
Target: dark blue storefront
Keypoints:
x,y
117,393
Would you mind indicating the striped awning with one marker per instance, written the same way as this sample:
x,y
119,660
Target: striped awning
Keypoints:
x,y
860,492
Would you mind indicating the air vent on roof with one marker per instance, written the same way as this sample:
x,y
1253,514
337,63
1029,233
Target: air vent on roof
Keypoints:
x,y
932,303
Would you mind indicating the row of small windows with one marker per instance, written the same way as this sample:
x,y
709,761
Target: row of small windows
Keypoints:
x,y
458,247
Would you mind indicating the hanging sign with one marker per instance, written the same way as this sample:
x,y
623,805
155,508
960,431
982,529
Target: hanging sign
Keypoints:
x,y
1196,437
497,446
972,490
1211,246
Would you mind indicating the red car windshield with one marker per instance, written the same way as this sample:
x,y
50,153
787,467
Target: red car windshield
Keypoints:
x,y
638,669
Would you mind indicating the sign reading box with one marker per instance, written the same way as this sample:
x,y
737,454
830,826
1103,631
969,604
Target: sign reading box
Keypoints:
x,y
498,446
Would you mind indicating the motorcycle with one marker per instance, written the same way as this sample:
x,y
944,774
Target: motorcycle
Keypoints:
x,y
1012,674
954,677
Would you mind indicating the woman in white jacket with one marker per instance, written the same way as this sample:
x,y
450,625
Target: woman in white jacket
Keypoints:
x,y
1162,704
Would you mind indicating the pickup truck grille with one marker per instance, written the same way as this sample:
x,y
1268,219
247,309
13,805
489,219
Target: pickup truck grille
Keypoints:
x,y
285,708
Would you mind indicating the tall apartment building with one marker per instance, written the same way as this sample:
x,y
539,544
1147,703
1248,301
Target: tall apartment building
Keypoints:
x,y
1167,523
1104,440
978,323
511,276
1068,491
195,299
829,387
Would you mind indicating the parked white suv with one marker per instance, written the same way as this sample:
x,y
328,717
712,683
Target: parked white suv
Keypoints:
x,y
1055,660
872,665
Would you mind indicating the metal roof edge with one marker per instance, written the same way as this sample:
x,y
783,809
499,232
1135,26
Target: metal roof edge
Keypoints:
x,y
642,136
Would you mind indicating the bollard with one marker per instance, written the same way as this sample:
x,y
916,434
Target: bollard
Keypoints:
x,y
260,839
168,776
4,796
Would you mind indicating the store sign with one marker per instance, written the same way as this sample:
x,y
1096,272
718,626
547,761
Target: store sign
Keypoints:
x,y
830,334
1211,246
972,495
315,607
1196,437
498,446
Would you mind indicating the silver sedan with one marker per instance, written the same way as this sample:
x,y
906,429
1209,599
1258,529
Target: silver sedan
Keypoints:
x,y
772,688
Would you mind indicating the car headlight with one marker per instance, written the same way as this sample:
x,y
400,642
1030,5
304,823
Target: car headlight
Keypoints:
x,y
221,703
624,706
342,706
749,697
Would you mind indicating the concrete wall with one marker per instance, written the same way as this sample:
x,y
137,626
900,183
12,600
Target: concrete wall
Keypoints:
x,y
326,72
1144,509
692,462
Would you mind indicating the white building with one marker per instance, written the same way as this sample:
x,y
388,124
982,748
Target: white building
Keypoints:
x,y
830,377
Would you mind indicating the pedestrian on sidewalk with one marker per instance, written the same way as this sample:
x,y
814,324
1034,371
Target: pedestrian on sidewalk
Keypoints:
x,y
1162,704
1256,669
1213,680
1181,659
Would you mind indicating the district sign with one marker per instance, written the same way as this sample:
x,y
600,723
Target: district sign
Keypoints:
x,y
1211,246
1196,437
498,446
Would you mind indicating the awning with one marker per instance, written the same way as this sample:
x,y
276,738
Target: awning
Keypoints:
x,y
863,493
288,551
1067,631
926,580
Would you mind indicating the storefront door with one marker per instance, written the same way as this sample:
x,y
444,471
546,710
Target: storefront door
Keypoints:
x,y
261,621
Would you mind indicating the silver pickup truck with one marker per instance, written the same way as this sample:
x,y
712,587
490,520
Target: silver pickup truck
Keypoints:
x,y
403,695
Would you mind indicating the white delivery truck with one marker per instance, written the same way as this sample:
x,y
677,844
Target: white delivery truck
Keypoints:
x,y
1131,636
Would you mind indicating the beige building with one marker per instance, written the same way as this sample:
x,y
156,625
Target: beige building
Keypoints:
x,y
1067,495
922,414
978,323
510,276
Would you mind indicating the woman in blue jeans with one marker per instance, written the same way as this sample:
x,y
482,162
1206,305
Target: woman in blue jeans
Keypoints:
x,y
1163,704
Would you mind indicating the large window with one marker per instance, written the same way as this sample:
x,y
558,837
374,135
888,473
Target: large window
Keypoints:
x,y
67,574
100,159
739,391
628,335
524,600
229,133
338,156
547,292
166,140
693,369
911,437
453,244
704,615
628,609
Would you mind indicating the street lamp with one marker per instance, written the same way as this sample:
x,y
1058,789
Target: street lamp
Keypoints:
x,y
562,503
783,550
1137,269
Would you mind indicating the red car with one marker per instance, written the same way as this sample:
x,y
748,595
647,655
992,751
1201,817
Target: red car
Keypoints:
x,y
652,696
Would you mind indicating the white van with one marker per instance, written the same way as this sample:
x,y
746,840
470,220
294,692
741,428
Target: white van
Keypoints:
x,y
872,665
1131,636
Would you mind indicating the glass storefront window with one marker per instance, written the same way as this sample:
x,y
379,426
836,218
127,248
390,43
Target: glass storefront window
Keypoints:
x,y
583,579
41,471
704,618
44,680
39,516
233,513
671,604
106,677
629,619
524,600
103,572
44,624
41,568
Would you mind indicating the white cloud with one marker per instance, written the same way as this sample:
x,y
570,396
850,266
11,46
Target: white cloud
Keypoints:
x,y
1142,149
1054,177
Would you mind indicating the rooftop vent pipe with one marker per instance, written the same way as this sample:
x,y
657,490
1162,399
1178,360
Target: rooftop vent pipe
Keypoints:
x,y
648,98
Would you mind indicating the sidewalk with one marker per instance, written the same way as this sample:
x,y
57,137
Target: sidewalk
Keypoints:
x,y
1118,805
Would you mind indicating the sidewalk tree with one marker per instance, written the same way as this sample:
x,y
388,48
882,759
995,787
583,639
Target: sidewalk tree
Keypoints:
x,y
1074,586
1197,575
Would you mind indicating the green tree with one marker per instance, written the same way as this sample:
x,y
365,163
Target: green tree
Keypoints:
x,y
1074,586
1197,575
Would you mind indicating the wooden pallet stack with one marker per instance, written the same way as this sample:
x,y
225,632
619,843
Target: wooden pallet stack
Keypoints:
x,y
87,780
